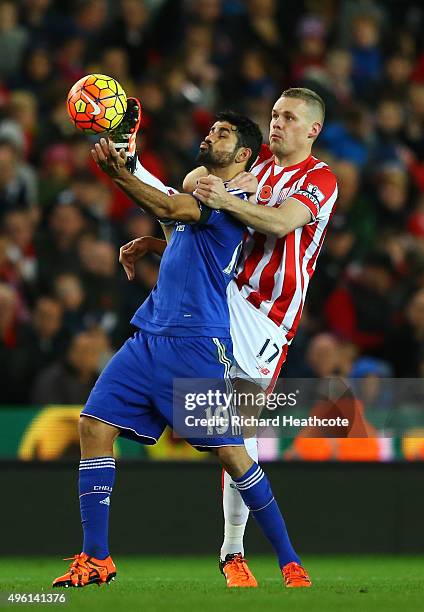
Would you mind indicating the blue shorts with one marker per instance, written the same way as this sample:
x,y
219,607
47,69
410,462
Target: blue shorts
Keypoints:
x,y
135,390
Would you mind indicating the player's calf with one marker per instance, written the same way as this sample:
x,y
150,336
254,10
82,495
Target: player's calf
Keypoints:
x,y
255,489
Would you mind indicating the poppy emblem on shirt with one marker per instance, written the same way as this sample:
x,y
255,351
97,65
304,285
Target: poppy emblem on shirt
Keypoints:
x,y
265,193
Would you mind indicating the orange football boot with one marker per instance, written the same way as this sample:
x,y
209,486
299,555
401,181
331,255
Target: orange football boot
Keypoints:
x,y
295,575
85,570
237,572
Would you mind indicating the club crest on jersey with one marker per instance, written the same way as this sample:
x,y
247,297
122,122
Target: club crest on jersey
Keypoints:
x,y
313,189
265,193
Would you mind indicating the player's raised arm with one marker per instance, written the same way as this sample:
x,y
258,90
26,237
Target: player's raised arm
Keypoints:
x,y
273,221
302,207
180,206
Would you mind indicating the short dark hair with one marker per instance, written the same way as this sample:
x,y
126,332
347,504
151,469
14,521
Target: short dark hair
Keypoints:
x,y
248,132
307,95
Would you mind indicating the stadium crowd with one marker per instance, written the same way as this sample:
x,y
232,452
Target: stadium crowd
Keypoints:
x,y
65,304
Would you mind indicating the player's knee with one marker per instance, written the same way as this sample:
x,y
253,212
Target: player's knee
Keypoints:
x,y
234,459
92,430
238,518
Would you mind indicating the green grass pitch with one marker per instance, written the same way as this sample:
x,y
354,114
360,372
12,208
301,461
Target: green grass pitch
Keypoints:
x,y
187,584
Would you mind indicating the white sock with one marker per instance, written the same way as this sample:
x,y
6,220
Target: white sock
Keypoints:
x,y
148,178
236,512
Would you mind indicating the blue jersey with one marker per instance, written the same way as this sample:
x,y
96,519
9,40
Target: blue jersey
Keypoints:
x,y
190,298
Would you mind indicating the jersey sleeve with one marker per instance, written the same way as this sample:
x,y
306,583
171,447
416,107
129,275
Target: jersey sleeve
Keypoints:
x,y
206,215
318,193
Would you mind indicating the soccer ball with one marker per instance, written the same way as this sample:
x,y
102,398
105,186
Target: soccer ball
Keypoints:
x,y
96,103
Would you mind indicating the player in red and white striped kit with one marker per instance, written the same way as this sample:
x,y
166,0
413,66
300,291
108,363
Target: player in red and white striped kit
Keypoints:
x,y
286,224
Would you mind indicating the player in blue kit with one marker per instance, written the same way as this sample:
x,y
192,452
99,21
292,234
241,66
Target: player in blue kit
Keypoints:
x,y
183,333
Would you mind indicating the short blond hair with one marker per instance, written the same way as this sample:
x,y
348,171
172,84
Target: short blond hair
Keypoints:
x,y
309,96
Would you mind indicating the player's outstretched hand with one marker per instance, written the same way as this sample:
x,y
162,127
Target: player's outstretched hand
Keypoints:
x,y
108,158
131,252
245,181
211,191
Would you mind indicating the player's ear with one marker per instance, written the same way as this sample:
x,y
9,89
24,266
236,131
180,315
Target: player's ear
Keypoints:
x,y
315,130
243,155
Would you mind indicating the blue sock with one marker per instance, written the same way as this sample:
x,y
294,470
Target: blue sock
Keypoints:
x,y
96,479
256,492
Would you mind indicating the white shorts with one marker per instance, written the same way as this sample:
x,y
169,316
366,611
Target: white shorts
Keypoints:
x,y
259,345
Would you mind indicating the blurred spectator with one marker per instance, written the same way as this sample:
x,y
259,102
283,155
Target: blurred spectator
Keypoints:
x,y
405,344
34,17
70,60
71,380
19,229
36,75
39,342
361,310
347,139
415,125
57,247
134,293
101,284
255,81
398,69
140,224
366,54
389,132
56,174
322,356
23,110
131,32
90,18
9,377
369,377
17,182
334,262
96,201
70,292
415,227
115,63
13,38
264,25
311,47
391,196
8,316
354,206
332,81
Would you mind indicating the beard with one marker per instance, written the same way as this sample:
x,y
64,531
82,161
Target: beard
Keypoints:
x,y
210,159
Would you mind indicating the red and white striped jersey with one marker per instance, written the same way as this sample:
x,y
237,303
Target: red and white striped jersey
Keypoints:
x,y
273,273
